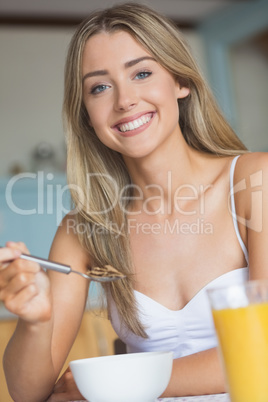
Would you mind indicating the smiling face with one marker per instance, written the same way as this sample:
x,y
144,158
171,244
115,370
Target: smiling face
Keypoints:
x,y
131,100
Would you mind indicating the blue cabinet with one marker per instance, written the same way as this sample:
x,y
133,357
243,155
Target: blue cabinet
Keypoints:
x,y
32,206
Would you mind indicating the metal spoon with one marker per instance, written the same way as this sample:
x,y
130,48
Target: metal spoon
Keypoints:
x,y
66,269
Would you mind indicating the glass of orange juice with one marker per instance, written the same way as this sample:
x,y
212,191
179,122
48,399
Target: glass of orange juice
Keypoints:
x,y
240,314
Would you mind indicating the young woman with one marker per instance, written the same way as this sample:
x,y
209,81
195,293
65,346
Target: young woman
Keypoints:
x,y
163,190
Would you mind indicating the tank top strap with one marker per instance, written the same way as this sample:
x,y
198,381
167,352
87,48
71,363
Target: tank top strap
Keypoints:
x,y
233,210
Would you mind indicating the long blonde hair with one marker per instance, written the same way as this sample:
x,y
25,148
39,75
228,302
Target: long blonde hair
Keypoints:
x,y
99,172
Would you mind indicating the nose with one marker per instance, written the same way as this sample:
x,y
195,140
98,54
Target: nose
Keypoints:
x,y
125,98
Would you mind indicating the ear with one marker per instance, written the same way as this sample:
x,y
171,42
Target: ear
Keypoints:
x,y
182,92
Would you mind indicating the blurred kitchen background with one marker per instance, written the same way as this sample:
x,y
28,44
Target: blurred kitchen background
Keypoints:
x,y
229,39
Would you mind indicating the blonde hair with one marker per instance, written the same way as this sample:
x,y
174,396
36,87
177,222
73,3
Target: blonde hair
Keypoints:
x,y
100,172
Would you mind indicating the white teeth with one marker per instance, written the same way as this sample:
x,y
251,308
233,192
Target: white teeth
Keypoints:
x,y
135,123
143,119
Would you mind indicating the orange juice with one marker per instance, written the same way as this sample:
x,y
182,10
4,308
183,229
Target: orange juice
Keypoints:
x,y
243,339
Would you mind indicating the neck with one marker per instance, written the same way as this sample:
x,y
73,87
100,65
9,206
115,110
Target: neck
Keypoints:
x,y
164,176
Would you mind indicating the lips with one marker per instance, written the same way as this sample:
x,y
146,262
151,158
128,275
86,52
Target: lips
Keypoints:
x,y
126,125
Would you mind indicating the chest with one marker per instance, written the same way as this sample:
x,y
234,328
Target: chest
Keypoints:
x,y
175,256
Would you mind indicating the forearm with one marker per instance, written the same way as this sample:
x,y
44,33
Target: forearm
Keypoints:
x,y
28,363
196,374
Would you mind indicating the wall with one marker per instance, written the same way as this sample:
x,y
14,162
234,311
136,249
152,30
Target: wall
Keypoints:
x,y
250,81
237,71
31,88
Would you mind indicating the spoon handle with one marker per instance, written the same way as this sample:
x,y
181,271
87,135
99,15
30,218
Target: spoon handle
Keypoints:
x,y
54,266
66,269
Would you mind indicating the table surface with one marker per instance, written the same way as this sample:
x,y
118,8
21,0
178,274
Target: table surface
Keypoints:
x,y
202,398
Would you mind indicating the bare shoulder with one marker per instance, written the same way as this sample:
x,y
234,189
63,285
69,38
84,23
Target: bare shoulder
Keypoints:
x,y
251,201
251,192
252,164
66,247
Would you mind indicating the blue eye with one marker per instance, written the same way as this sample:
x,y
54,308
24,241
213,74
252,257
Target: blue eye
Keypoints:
x,y
98,89
142,75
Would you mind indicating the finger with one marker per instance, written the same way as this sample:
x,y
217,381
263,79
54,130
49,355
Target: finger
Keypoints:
x,y
61,382
19,303
66,383
60,385
16,284
8,254
66,396
66,390
57,398
63,397
18,246
17,267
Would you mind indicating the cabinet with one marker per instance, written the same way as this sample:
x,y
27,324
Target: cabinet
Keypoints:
x,y
32,206
95,338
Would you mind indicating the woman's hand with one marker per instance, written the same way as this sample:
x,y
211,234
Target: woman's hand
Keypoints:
x,y
65,389
24,287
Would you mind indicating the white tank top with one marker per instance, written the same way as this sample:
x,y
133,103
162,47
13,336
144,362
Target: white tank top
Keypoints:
x,y
185,331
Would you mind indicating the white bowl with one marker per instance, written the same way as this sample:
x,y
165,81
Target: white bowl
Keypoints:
x,y
134,377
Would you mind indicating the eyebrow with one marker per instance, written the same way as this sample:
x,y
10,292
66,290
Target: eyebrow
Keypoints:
x,y
128,64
